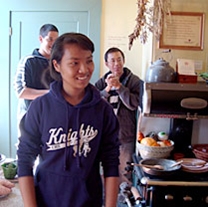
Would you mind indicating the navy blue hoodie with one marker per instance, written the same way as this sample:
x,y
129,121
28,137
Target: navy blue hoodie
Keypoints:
x,y
71,142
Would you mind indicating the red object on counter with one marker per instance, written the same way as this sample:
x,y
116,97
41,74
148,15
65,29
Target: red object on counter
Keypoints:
x,y
178,156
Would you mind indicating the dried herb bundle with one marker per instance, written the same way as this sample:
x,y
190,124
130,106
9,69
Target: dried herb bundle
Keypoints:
x,y
150,19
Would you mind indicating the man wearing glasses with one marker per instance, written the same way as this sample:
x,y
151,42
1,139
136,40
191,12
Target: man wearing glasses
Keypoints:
x,y
121,88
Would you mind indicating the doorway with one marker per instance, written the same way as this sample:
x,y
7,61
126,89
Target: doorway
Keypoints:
x,y
24,21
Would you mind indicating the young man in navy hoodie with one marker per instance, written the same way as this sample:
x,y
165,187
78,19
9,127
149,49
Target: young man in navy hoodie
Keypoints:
x,y
73,130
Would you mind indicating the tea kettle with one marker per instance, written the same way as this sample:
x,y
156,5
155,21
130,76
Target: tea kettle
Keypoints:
x,y
160,71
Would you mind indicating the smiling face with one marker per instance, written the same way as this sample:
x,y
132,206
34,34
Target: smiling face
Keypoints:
x,y
76,68
115,63
47,42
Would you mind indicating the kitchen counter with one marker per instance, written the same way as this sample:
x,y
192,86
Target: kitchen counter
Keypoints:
x,y
14,199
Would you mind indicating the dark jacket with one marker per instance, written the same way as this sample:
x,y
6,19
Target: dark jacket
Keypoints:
x,y
29,73
71,142
129,99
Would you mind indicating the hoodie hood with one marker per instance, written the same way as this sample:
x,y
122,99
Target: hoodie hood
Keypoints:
x,y
91,97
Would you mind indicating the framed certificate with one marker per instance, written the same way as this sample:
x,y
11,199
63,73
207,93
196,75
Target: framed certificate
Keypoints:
x,y
183,30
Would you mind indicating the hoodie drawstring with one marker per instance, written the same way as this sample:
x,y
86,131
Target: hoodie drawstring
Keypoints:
x,y
66,162
78,140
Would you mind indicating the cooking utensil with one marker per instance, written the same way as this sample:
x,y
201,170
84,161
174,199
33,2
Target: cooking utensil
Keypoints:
x,y
177,163
169,166
158,167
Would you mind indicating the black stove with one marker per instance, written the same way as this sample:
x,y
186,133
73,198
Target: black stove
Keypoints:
x,y
181,189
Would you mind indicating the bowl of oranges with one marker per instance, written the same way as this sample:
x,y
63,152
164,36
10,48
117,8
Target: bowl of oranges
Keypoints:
x,y
150,147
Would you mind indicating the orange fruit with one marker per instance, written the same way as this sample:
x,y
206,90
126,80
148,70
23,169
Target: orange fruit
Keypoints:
x,y
149,141
167,142
140,136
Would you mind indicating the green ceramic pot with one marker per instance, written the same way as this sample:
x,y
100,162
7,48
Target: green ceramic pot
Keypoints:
x,y
9,170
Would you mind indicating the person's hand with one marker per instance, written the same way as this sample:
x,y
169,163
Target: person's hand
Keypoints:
x,y
5,187
112,81
108,80
116,83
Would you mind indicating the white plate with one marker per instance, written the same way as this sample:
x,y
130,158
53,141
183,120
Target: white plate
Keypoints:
x,y
193,165
3,157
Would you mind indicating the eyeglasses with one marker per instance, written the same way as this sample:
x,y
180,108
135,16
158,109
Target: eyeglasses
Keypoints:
x,y
113,61
49,39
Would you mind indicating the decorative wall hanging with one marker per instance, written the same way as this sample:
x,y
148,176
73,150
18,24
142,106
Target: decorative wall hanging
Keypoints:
x,y
183,31
150,18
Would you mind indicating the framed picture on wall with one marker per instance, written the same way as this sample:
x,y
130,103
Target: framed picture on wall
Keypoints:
x,y
183,30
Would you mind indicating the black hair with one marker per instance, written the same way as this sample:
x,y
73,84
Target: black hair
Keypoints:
x,y
46,28
59,45
111,50
46,78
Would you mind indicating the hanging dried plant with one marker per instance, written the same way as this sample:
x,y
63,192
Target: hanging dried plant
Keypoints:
x,y
150,19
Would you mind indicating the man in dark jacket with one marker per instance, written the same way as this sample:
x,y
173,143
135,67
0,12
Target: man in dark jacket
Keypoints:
x,y
121,88
28,79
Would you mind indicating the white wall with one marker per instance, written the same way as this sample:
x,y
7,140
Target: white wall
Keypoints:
x,y
190,6
118,21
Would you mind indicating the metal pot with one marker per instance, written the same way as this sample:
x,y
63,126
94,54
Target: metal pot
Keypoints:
x,y
169,166
160,71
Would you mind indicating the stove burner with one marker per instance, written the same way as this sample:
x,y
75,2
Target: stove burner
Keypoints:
x,y
180,189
